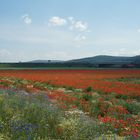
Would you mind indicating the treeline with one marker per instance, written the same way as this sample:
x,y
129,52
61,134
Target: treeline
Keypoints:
x,y
69,65
43,65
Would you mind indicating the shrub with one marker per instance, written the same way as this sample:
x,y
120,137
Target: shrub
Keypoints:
x,y
133,108
87,97
89,89
69,88
122,96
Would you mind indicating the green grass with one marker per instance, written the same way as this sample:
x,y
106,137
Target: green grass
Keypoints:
x,y
133,80
11,66
46,68
130,80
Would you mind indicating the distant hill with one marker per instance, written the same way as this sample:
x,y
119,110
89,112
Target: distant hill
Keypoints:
x,y
104,59
136,59
101,61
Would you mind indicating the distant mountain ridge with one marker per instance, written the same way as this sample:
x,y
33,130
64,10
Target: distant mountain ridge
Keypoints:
x,y
100,59
105,59
96,61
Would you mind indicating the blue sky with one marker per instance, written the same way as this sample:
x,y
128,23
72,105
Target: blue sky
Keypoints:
x,y
68,29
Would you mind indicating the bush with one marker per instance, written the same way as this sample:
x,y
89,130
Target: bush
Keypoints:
x,y
89,89
87,97
122,96
133,108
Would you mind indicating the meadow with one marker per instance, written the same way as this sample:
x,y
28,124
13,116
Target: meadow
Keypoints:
x,y
70,104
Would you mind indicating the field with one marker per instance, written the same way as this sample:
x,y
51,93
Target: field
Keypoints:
x,y
102,80
69,104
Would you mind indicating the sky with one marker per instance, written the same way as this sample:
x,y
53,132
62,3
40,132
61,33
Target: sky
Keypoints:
x,y
68,29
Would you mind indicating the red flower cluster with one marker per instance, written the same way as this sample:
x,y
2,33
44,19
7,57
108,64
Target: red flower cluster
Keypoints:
x,y
82,79
128,126
117,110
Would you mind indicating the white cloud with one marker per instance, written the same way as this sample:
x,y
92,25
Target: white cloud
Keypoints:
x,y
73,24
79,26
26,19
57,21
